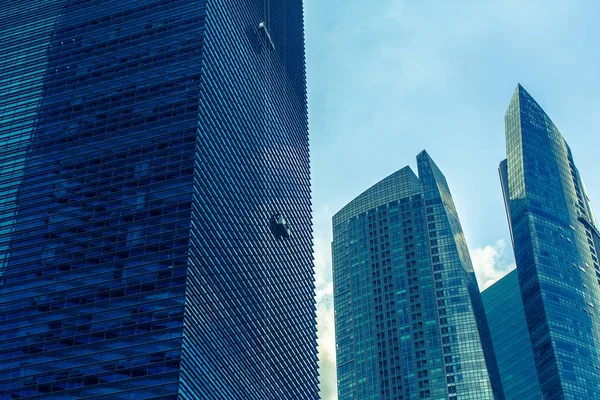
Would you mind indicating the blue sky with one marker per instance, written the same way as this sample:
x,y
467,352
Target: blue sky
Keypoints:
x,y
389,78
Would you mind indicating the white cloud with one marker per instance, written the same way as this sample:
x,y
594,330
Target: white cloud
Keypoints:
x,y
491,263
325,321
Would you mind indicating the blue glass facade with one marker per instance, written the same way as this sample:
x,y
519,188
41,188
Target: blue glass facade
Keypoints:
x,y
409,318
145,146
512,347
556,243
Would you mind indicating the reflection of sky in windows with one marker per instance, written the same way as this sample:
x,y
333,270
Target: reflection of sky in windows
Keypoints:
x,y
23,61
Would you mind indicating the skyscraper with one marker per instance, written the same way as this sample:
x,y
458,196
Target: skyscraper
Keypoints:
x,y
556,243
156,220
409,319
508,327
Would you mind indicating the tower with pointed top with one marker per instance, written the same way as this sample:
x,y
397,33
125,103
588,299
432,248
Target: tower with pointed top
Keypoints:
x,y
556,243
409,318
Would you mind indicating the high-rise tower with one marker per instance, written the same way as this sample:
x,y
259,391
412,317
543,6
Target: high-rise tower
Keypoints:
x,y
556,244
409,318
155,201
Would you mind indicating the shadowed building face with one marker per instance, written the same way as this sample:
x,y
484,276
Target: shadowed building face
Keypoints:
x,y
512,347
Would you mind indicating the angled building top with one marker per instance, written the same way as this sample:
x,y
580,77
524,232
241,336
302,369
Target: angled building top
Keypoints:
x,y
400,184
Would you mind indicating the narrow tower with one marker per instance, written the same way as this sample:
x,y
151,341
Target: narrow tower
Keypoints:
x,y
556,243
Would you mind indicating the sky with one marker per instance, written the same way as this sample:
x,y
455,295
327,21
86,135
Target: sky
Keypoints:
x,y
389,78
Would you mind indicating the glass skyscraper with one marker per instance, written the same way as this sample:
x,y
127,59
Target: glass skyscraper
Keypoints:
x,y
409,319
508,327
156,237
556,243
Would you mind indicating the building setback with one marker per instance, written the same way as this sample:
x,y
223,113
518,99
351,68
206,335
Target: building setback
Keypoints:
x,y
512,347
155,201
409,319
556,243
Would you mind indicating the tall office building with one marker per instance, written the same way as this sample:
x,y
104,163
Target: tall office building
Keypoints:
x,y
508,327
155,201
556,243
409,318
